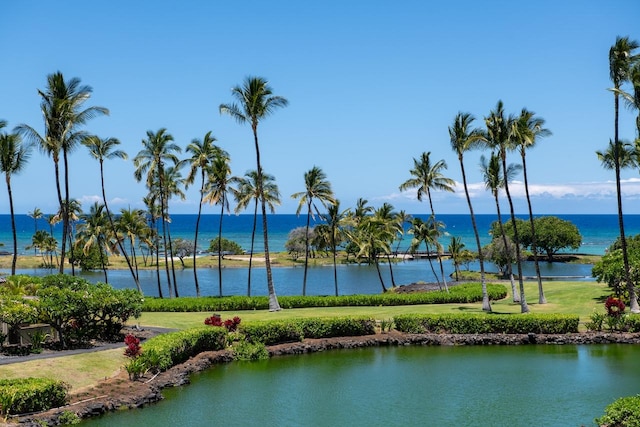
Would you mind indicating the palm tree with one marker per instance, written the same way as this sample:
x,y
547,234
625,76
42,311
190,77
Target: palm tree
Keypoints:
x,y
93,231
335,222
217,193
203,153
621,59
153,212
62,109
527,129
499,138
426,177
617,157
101,149
389,219
158,149
13,159
463,138
173,181
424,232
36,214
402,218
372,237
494,181
455,248
132,224
317,187
256,102
247,191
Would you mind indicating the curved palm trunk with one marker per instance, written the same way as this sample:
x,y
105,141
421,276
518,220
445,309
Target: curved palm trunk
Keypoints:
x,y
273,298
173,267
433,270
433,214
56,164
306,250
524,308
135,260
65,215
486,304
541,298
220,250
102,262
335,268
393,280
514,290
195,242
158,260
384,288
253,238
14,258
113,230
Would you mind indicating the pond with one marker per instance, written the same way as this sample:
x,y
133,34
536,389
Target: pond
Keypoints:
x,y
541,385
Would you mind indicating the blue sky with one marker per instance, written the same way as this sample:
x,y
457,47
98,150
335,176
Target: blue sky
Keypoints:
x,y
371,85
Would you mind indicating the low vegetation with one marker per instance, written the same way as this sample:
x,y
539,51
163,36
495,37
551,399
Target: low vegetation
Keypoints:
x,y
23,395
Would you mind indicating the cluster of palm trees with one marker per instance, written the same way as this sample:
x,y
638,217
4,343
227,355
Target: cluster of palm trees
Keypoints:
x,y
624,68
367,232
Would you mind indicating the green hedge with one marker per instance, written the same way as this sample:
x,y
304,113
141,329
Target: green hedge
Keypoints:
x,y
278,332
24,395
622,412
487,323
170,349
466,293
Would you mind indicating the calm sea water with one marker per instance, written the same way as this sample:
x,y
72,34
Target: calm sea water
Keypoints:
x,y
598,232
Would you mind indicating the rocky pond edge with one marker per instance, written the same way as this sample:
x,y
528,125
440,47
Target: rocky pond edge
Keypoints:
x,y
121,393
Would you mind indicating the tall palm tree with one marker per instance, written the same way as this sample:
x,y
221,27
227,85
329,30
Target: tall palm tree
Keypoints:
x,y
101,149
158,149
335,222
388,218
14,156
617,157
621,59
499,138
63,110
36,214
527,130
372,237
93,231
132,224
402,218
203,153
247,191
256,101
217,192
153,214
424,177
173,183
424,232
317,187
494,181
464,138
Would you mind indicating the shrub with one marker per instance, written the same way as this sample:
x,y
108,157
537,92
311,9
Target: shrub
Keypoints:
x,y
466,293
176,347
68,418
24,395
622,412
244,350
136,368
487,323
216,320
272,332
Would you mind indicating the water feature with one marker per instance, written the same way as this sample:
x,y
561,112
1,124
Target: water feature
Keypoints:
x,y
445,386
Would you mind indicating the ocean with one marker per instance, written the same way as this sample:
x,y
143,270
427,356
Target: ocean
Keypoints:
x,y
598,233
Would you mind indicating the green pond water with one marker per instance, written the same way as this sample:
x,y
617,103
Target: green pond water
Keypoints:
x,y
407,386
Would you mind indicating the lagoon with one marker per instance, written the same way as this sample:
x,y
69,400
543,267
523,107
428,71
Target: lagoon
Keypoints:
x,y
544,385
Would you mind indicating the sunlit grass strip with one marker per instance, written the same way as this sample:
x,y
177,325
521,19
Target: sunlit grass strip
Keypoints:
x,y
461,294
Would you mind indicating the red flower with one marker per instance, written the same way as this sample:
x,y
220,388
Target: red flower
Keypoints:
x,y
615,306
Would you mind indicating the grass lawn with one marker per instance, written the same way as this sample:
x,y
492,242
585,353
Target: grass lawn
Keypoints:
x,y
82,370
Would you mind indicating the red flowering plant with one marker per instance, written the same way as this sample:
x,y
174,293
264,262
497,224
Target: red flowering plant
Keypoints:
x,y
216,320
615,307
133,346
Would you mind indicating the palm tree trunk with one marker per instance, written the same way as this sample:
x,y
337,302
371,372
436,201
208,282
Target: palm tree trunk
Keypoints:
x,y
158,260
384,288
173,267
56,164
514,291
14,258
306,250
65,214
253,238
335,268
433,270
486,304
273,298
103,264
524,308
220,249
113,230
195,241
541,298
433,215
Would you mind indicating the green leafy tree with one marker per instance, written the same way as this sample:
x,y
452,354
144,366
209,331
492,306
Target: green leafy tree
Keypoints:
x,y
94,231
610,269
255,102
336,223
228,246
317,188
182,248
